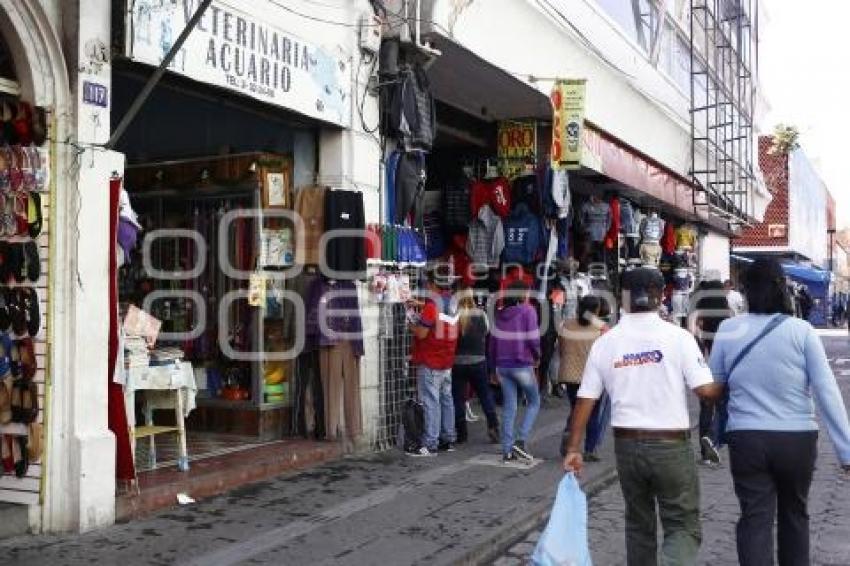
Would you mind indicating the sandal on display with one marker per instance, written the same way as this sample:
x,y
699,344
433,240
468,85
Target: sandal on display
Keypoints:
x,y
23,123
17,262
5,403
34,215
29,364
4,168
24,402
32,312
36,442
5,319
20,455
27,168
6,454
17,311
22,226
10,223
39,126
15,360
32,260
16,176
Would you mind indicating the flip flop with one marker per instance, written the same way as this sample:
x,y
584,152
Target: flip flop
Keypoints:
x,y
17,262
5,404
15,360
29,364
39,126
32,260
31,309
20,208
5,251
21,456
27,168
4,168
10,223
34,215
36,442
17,311
16,175
6,454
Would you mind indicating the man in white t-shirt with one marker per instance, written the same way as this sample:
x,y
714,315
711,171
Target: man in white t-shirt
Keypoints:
x,y
734,298
647,366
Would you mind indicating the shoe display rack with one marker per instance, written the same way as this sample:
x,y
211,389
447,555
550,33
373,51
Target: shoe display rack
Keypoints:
x,y
24,205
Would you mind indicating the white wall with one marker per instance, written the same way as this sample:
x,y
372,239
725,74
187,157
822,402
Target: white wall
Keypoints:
x,y
714,256
807,222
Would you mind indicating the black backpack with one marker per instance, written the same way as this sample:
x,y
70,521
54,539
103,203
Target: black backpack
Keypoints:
x,y
413,424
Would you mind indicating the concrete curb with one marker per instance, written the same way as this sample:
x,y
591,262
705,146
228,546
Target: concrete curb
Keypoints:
x,y
508,535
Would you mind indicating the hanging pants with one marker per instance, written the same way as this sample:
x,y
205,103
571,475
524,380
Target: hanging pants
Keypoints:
x,y
341,384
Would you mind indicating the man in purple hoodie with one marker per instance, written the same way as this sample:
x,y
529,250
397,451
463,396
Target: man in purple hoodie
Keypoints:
x,y
515,351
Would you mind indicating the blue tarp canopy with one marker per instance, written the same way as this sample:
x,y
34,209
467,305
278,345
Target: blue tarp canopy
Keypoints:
x,y
806,274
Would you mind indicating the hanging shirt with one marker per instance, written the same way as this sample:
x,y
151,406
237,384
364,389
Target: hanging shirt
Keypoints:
x,y
612,238
524,236
686,236
596,219
486,238
629,225
646,364
668,241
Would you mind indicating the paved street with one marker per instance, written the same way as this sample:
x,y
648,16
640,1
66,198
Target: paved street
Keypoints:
x,y
830,505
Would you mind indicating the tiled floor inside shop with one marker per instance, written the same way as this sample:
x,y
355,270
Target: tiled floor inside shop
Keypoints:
x,y
200,445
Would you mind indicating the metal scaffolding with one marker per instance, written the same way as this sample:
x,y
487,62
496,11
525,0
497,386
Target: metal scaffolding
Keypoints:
x,y
724,55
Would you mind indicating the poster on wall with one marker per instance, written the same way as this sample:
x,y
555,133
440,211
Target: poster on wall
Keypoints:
x,y
568,96
517,147
240,45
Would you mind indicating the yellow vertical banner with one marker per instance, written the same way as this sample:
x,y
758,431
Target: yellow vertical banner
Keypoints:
x,y
568,97
517,146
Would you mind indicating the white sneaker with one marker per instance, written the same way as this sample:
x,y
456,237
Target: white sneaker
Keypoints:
x,y
470,416
421,452
710,450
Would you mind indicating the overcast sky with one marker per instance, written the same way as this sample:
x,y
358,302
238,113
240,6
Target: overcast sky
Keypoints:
x,y
804,55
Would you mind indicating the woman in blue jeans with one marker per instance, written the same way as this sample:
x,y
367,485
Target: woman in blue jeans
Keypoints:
x,y
514,352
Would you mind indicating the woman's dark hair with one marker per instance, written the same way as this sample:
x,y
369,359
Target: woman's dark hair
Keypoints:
x,y
711,299
588,306
766,289
516,294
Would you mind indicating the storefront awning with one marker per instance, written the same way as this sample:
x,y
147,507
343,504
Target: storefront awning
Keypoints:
x,y
806,274
465,81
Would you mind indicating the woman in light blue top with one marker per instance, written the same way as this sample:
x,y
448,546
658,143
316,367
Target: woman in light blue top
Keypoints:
x,y
772,430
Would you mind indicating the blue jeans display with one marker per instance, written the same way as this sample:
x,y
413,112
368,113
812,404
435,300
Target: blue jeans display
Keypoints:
x,y
435,394
512,380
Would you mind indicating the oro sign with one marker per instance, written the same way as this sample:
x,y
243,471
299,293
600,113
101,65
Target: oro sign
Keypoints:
x,y
517,146
567,123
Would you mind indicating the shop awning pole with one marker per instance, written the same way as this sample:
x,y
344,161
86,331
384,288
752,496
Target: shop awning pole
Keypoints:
x,y
154,79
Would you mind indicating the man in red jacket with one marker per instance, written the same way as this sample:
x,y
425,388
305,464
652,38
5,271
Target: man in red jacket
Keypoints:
x,y
435,336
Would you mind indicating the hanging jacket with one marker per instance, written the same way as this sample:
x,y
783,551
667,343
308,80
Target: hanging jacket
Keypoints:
x,y
486,238
412,113
596,219
686,236
435,240
524,236
612,238
457,211
556,196
628,221
668,242
494,192
526,189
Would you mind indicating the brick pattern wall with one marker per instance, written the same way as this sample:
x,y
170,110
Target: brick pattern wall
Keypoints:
x,y
775,171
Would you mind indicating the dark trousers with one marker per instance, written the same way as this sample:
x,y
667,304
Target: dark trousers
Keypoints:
x,y
661,471
475,375
706,423
772,471
595,428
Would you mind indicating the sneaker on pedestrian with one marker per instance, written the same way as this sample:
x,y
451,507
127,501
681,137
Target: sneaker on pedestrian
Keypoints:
x,y
446,447
421,452
509,458
520,451
471,417
709,450
591,457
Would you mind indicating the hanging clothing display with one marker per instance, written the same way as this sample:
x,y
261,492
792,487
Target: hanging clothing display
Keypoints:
x,y
686,237
409,187
340,370
596,219
345,255
650,253
629,224
496,193
668,241
612,238
486,238
652,229
310,206
524,236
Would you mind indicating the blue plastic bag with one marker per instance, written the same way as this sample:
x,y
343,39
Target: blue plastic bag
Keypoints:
x,y
564,541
